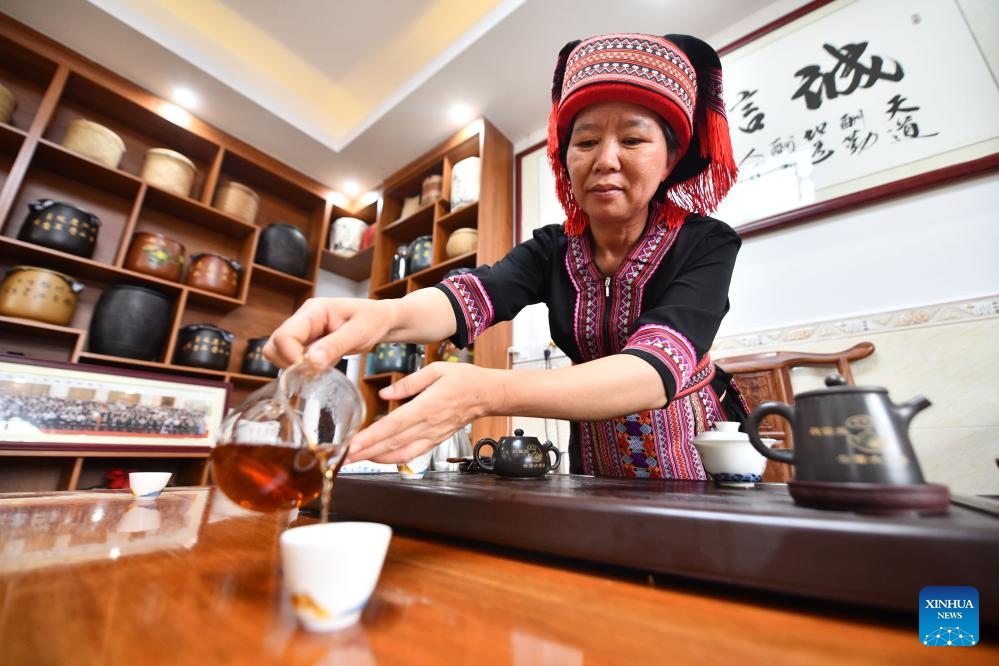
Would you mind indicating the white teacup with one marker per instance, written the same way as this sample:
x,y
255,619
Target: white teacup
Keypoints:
x,y
729,457
331,569
148,485
417,467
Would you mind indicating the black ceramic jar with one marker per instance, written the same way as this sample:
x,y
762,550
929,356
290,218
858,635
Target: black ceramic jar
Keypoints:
x,y
130,321
203,346
60,226
254,362
284,248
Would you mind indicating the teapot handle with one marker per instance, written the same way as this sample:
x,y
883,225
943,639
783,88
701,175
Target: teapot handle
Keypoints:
x,y
548,448
753,427
485,463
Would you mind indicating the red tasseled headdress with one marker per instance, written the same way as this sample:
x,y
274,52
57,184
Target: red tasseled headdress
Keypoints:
x,y
678,77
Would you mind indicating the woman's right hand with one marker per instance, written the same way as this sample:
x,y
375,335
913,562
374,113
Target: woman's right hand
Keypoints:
x,y
324,330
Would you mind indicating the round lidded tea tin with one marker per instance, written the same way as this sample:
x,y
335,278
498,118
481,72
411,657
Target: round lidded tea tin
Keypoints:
x,y
419,254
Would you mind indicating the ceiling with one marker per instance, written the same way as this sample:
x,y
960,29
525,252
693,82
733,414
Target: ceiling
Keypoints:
x,y
348,90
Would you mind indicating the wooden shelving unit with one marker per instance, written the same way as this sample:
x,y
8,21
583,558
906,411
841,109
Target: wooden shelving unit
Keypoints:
x,y
55,86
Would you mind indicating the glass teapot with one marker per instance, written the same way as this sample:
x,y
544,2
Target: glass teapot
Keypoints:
x,y
282,447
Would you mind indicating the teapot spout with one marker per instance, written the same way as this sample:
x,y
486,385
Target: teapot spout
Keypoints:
x,y
909,409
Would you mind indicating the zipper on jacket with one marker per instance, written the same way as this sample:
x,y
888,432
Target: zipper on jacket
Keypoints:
x,y
607,306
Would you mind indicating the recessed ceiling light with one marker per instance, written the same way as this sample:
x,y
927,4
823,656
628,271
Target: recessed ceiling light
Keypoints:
x,y
460,113
351,188
185,97
369,198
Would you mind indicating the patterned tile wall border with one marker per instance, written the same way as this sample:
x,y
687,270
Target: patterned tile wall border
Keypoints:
x,y
926,315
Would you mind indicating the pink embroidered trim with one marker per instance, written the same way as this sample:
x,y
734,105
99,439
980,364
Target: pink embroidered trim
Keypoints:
x,y
476,307
670,347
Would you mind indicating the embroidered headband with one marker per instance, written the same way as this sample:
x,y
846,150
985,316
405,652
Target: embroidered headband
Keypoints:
x,y
678,77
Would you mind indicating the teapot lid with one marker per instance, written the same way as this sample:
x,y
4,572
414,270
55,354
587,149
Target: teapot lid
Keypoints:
x,y
836,384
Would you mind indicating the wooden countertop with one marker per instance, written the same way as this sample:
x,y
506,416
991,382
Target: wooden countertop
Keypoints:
x,y
99,578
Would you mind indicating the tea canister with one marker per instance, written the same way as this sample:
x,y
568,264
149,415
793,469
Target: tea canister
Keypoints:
x,y
95,141
39,294
348,233
284,248
169,170
461,241
465,183
254,361
431,189
419,254
8,102
60,226
203,346
155,254
238,200
215,273
130,321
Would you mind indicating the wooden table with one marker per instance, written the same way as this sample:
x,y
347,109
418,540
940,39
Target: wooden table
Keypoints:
x,y
99,578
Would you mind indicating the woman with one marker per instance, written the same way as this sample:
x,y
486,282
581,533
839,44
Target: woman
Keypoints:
x,y
636,280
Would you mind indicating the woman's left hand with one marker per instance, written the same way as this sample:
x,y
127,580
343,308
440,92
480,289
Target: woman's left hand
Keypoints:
x,y
445,397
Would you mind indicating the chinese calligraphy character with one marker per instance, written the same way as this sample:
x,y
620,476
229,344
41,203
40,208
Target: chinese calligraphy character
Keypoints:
x,y
856,145
779,146
819,152
749,110
848,72
908,127
753,158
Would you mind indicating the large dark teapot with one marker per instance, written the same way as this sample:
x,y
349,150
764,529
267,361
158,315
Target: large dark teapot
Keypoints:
x,y
517,456
845,434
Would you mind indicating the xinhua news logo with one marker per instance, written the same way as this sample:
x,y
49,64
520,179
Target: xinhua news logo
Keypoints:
x,y
948,616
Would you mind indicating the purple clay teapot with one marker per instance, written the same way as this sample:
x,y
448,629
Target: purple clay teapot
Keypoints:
x,y
845,434
517,456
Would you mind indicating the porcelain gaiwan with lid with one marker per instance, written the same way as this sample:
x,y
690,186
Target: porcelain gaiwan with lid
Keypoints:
x,y
728,456
518,456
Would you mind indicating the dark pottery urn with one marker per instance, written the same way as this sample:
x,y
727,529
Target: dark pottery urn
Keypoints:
x,y
284,248
420,254
203,346
60,226
130,321
254,361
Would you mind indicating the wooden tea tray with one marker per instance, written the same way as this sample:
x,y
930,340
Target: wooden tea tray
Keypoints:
x,y
756,538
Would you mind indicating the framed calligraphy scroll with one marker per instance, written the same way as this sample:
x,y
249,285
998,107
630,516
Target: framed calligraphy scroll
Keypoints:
x,y
850,101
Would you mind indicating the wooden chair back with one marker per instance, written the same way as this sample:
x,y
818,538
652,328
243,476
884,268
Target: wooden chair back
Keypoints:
x,y
766,377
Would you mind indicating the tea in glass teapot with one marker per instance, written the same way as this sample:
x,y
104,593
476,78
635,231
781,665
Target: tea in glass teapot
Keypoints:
x,y
281,448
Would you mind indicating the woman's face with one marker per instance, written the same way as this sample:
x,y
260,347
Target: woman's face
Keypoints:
x,y
617,158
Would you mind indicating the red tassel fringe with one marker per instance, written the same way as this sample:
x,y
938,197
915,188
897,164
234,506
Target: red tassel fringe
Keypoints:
x,y
705,192
575,219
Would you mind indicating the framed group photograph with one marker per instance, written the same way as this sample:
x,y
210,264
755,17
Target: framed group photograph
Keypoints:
x,y
81,407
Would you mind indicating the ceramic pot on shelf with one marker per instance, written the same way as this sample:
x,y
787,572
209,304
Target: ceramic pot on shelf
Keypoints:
x,y
214,273
39,294
345,240
284,248
254,361
465,182
420,251
203,346
131,322
60,226
155,254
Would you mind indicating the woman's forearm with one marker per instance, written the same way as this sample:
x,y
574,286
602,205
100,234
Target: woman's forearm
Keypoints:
x,y
423,316
604,388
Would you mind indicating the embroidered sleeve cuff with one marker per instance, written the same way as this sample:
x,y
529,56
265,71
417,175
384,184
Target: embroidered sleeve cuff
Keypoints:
x,y
472,308
673,356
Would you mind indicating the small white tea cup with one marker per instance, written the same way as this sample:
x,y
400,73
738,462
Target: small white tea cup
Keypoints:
x,y
147,485
331,569
417,467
